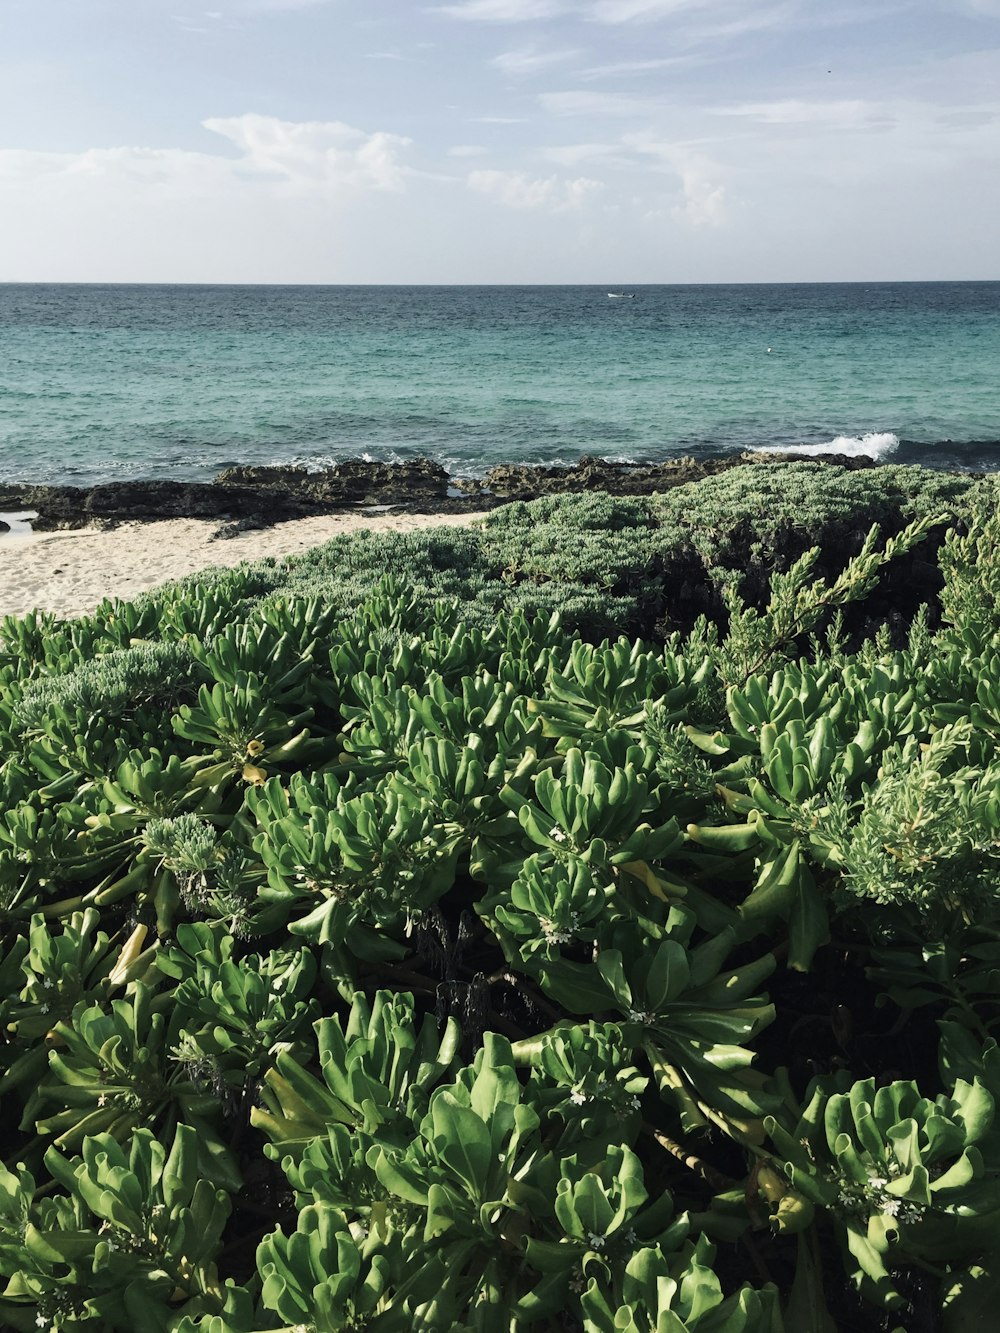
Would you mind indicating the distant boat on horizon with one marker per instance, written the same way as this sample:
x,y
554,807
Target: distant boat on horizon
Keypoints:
x,y
622,296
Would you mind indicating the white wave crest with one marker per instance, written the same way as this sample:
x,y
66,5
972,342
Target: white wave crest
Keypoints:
x,y
877,444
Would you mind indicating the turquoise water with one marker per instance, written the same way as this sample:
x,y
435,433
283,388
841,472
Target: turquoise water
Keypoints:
x,y
104,382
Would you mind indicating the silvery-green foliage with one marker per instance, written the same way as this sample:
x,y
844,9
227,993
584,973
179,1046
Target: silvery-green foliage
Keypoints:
x,y
798,600
115,685
925,832
686,774
970,598
185,844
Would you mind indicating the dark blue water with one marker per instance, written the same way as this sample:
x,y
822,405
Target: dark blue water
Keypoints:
x,y
102,382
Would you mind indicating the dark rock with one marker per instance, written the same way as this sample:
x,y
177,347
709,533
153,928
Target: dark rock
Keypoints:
x,y
849,462
248,523
4,527
515,481
351,482
527,481
258,496
73,506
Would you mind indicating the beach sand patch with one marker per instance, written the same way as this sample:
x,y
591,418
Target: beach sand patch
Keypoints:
x,y
70,573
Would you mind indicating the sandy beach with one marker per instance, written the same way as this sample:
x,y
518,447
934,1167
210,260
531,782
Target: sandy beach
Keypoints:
x,y
70,572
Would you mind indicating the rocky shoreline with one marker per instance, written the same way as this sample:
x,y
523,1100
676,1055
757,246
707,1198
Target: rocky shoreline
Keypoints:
x,y
244,498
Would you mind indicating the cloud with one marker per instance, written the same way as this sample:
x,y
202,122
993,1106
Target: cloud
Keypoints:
x,y
584,102
632,67
502,11
703,19
280,6
515,189
704,194
466,150
570,155
844,114
309,153
624,11
318,156
704,197
530,60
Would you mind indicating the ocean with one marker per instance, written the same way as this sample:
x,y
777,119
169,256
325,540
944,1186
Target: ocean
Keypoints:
x,y
99,383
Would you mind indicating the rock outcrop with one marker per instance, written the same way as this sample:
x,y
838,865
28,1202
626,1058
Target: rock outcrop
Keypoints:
x,y
247,497
520,481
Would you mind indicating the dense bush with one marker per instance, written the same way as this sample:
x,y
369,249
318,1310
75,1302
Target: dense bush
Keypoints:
x,y
378,953
650,566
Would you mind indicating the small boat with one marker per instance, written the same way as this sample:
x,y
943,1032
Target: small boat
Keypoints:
x,y
622,296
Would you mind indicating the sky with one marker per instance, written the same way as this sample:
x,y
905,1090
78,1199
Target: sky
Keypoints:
x,y
499,141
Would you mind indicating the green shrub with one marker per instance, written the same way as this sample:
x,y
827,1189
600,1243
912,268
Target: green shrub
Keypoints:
x,y
416,935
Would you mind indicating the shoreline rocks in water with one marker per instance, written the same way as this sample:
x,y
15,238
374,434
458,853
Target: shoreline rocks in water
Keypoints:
x,y
526,481
242,498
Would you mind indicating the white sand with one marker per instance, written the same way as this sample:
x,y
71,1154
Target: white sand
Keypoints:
x,y
70,572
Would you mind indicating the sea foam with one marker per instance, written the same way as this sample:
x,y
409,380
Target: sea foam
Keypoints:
x,y
877,444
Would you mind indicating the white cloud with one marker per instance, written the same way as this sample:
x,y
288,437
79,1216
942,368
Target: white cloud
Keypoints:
x,y
515,189
307,153
624,11
704,194
584,102
743,22
529,60
632,67
503,11
279,6
572,154
702,19
843,114
325,156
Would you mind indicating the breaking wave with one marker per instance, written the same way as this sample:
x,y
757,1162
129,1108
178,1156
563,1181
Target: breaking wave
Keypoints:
x,y
879,445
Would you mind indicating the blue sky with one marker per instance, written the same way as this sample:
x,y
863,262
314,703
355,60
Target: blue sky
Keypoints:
x,y
600,141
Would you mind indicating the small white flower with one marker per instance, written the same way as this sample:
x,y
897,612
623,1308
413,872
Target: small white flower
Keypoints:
x,y
577,1097
44,1008
554,934
640,1016
556,834
42,1320
596,1242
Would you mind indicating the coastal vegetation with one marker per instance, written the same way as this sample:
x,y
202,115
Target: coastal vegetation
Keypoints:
x,y
586,921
